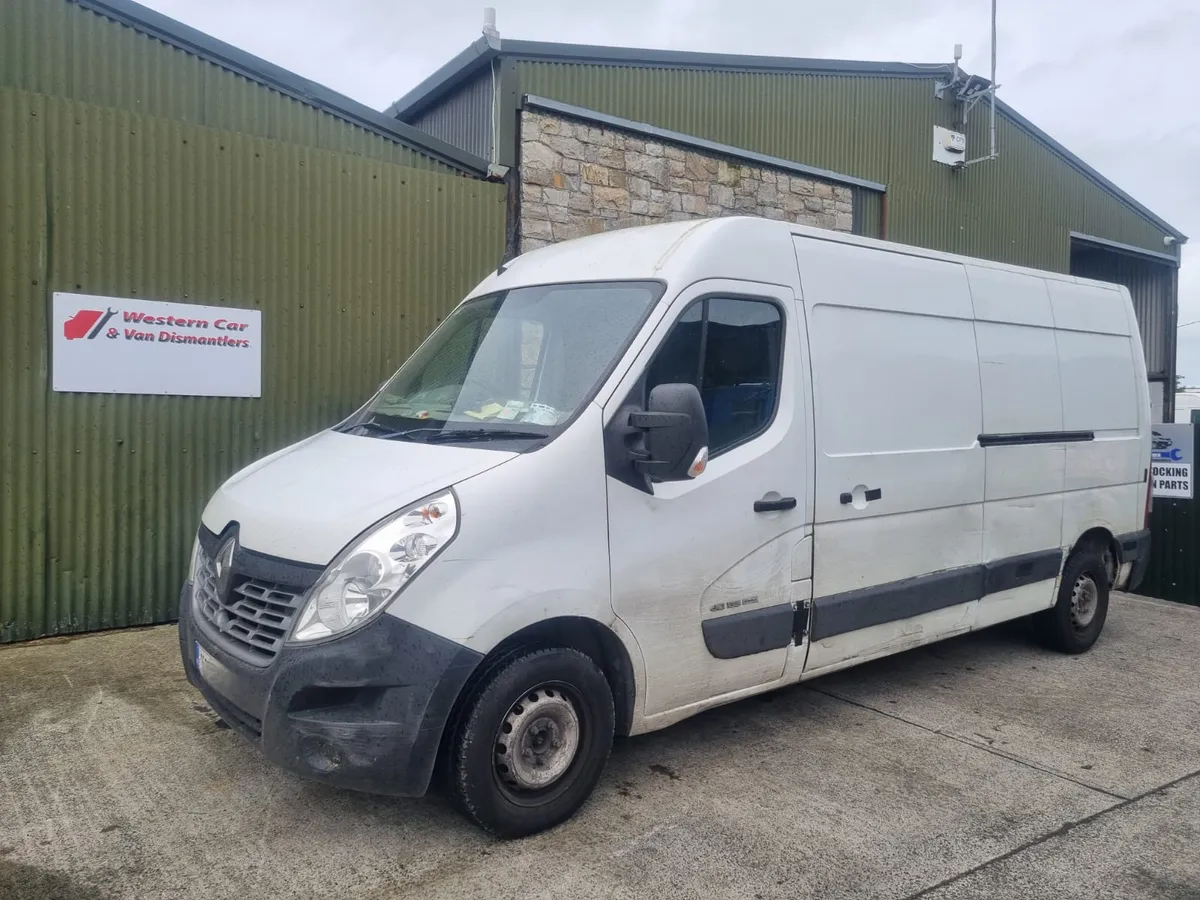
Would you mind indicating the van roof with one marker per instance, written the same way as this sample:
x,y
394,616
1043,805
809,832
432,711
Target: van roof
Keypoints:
x,y
737,247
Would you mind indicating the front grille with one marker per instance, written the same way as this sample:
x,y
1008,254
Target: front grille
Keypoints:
x,y
252,619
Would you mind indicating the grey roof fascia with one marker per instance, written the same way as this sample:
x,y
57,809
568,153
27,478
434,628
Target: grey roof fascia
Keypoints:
x,y
698,143
279,79
1128,249
446,78
1084,169
632,56
482,51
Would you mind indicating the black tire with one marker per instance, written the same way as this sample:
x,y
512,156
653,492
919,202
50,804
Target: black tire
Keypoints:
x,y
1075,621
570,696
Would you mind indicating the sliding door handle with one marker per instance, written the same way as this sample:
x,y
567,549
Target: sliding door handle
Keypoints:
x,y
868,495
775,505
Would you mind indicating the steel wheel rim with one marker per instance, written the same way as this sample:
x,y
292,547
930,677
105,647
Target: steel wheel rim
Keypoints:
x,y
538,742
1085,600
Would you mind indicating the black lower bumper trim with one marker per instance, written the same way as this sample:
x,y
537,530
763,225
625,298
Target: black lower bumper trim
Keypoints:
x,y
1135,548
366,711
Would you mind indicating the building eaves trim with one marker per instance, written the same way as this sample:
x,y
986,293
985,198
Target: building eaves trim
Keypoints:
x,y
541,50
446,78
199,44
469,61
1128,249
698,143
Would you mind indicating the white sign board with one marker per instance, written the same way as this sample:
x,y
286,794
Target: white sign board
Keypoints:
x,y
1171,461
112,345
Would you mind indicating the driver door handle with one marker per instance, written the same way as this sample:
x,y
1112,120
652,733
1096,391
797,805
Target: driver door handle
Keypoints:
x,y
774,505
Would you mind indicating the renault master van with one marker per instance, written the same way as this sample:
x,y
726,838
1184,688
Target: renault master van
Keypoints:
x,y
644,473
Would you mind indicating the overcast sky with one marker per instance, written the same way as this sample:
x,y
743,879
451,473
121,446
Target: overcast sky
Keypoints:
x,y
1113,80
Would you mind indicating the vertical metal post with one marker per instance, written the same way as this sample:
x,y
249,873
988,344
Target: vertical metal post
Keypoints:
x,y
993,123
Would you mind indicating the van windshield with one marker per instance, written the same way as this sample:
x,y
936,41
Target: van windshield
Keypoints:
x,y
510,366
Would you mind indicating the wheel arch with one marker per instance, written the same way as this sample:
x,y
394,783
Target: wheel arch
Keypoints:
x,y
588,636
1102,539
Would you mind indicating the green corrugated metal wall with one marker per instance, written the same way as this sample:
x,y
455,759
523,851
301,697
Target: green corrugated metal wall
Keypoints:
x,y
868,212
57,48
1018,209
351,257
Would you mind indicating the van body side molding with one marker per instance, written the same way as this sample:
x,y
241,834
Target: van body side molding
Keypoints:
x,y
1035,437
883,603
1018,571
753,631
760,630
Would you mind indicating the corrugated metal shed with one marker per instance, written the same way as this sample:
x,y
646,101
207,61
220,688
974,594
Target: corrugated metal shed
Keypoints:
x,y
1018,209
185,182
352,261
871,120
465,119
121,54
22,364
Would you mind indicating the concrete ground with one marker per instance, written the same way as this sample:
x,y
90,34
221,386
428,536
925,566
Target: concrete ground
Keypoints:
x,y
982,767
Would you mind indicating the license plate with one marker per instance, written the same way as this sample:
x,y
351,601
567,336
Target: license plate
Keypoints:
x,y
212,671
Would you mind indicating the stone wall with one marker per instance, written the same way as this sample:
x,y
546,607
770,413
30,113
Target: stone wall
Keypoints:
x,y
579,179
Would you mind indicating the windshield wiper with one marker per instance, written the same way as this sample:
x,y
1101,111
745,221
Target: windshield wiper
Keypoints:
x,y
483,434
378,428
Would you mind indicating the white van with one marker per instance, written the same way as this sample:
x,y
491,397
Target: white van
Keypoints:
x,y
644,473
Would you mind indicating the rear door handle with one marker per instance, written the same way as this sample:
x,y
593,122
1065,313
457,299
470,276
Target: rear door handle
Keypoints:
x,y
774,505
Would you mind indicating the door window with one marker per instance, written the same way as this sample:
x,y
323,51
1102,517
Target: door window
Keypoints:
x,y
730,348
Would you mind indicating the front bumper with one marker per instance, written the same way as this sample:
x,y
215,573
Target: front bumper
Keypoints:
x,y
365,711
1135,554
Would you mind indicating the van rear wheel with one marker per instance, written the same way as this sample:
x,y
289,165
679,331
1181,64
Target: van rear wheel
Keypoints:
x,y
531,742
1075,621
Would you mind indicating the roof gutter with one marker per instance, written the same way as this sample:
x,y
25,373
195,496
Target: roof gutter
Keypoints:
x,y
197,43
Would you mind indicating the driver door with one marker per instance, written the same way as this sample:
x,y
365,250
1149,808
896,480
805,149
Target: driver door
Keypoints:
x,y
707,573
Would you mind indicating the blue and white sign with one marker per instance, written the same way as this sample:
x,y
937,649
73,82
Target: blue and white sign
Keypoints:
x,y
1171,461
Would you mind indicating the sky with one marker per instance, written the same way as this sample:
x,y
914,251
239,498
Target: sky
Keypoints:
x,y
1113,80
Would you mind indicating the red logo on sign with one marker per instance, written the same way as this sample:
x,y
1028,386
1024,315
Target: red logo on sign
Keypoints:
x,y
86,323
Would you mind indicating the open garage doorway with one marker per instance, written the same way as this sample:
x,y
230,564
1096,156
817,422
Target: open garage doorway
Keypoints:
x,y
1153,281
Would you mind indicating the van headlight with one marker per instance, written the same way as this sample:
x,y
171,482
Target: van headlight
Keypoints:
x,y
371,571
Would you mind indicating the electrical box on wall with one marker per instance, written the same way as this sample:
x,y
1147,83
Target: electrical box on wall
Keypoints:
x,y
949,147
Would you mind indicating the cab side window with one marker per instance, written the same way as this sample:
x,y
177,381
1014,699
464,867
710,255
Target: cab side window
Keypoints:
x,y
730,348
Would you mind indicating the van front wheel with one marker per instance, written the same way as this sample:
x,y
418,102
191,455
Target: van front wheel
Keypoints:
x,y
531,742
1075,621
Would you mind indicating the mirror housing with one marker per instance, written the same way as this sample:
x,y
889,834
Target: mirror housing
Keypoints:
x,y
676,434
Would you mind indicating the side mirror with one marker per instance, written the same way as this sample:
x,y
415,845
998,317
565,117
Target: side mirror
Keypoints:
x,y
676,433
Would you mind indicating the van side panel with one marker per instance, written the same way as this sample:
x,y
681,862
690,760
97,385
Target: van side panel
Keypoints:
x,y
899,472
901,420
1087,306
1102,385
1024,482
1025,456
1017,298
971,421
